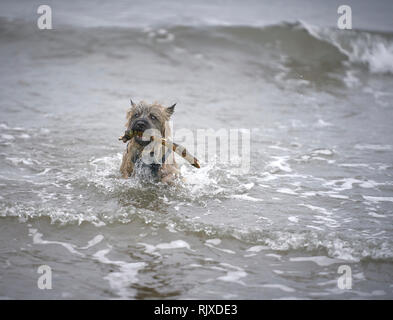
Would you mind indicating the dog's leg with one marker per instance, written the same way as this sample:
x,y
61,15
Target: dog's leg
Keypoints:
x,y
123,167
126,167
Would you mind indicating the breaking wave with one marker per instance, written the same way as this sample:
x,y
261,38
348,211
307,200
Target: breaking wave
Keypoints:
x,y
291,45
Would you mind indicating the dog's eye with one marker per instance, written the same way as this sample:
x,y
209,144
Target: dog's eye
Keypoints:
x,y
153,117
136,115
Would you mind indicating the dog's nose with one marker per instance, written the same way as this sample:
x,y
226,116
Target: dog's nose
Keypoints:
x,y
140,125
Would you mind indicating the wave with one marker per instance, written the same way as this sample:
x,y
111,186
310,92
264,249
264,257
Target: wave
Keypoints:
x,y
333,244
190,208
300,47
373,49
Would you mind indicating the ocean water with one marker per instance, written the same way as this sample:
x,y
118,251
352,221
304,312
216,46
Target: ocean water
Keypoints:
x,y
317,101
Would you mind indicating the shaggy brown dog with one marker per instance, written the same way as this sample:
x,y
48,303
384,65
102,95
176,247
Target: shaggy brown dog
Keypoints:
x,y
149,117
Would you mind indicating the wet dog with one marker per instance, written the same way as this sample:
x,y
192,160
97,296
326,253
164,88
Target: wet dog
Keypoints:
x,y
141,153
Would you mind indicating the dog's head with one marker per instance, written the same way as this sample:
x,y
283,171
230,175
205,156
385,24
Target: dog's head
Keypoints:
x,y
143,116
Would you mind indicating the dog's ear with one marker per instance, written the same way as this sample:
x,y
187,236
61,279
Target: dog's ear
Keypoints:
x,y
129,111
170,110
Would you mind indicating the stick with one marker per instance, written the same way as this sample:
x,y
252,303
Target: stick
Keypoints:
x,y
180,150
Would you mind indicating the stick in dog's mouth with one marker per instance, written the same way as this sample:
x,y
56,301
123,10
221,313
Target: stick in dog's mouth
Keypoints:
x,y
129,134
180,150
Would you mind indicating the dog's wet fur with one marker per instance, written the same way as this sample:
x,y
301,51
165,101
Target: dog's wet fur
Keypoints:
x,y
142,117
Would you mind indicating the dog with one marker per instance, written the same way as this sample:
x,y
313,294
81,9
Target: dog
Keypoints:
x,y
145,118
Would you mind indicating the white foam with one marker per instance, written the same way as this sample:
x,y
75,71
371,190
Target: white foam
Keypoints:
x,y
122,280
375,215
325,152
97,239
177,244
315,208
25,161
267,176
278,271
161,35
293,219
44,172
245,197
249,255
376,147
257,248
280,164
7,137
150,249
329,221
359,293
6,127
338,196
37,239
322,261
233,275
378,199
171,227
278,286
355,165
214,242
248,186
321,123
286,191
371,50
347,184
314,227
379,57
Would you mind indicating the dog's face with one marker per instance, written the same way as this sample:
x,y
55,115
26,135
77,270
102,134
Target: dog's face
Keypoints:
x,y
143,116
